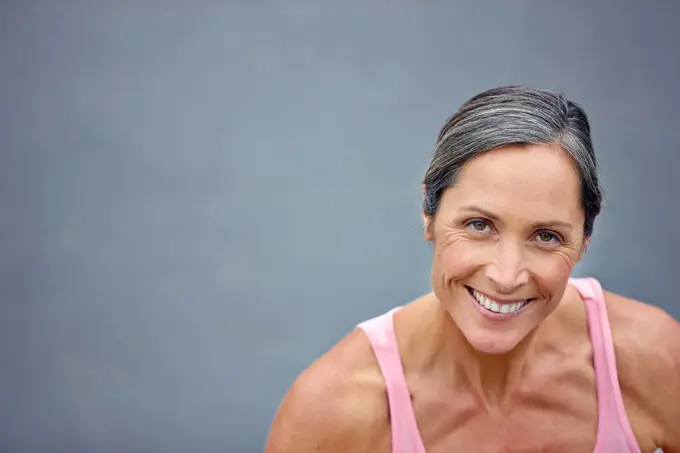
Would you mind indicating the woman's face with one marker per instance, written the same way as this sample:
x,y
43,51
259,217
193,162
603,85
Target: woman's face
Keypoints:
x,y
506,238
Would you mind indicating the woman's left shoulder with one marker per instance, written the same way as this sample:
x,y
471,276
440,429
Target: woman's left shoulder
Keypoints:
x,y
647,348
641,326
643,333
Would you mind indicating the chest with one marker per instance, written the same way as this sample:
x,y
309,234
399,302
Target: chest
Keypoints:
x,y
552,414
527,431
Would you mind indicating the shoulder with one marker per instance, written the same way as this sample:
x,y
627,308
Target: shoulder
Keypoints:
x,y
646,331
647,346
338,404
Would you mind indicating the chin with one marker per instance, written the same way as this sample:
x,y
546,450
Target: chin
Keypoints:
x,y
488,343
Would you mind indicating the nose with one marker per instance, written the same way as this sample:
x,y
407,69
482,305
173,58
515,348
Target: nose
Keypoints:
x,y
508,271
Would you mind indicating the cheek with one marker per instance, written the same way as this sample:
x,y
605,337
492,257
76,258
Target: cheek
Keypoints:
x,y
458,258
552,271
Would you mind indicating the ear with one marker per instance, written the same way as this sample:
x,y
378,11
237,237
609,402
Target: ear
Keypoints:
x,y
584,248
427,227
427,221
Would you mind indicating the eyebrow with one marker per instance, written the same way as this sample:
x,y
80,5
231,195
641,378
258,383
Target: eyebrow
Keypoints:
x,y
491,216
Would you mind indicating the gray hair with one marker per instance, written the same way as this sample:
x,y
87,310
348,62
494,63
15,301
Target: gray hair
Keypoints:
x,y
514,115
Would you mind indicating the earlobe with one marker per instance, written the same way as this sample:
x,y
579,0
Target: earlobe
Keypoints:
x,y
426,219
584,249
427,227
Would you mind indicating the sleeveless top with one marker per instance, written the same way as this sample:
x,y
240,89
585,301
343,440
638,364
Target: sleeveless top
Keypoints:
x,y
614,433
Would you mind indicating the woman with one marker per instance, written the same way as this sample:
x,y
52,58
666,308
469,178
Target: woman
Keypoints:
x,y
508,353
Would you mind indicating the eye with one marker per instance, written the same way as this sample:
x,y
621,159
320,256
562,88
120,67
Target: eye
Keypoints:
x,y
478,226
548,237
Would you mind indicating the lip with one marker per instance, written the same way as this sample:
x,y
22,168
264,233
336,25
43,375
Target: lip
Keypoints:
x,y
493,316
502,301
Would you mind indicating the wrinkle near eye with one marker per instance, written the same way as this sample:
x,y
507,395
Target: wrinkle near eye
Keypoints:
x,y
454,235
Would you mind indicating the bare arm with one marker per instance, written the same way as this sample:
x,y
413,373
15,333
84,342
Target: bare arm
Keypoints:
x,y
309,420
647,342
668,386
338,405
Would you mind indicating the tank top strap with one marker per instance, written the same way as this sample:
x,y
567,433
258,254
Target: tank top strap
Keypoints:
x,y
383,340
614,430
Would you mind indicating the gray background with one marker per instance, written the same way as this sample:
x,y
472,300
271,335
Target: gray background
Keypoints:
x,y
198,200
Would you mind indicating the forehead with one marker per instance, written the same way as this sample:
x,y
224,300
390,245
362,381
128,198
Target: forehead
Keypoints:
x,y
532,180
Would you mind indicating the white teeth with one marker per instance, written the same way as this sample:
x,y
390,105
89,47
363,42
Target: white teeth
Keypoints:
x,y
496,307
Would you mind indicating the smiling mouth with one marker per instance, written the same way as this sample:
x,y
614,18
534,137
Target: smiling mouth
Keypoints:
x,y
495,306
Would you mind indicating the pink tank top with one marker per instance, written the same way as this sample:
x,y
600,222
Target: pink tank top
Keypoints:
x,y
614,433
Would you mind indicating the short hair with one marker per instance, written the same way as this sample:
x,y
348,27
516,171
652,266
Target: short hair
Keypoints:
x,y
514,115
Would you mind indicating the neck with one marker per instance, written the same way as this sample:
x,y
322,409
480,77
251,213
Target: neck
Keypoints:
x,y
491,377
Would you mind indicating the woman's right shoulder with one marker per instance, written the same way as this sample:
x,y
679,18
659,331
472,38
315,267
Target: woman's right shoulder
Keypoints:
x,y
338,404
